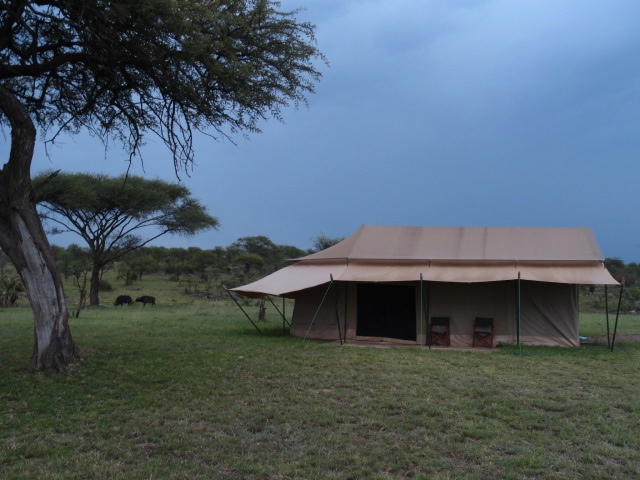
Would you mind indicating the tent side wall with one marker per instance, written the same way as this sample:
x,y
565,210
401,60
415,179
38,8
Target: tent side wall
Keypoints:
x,y
550,314
462,302
549,311
314,312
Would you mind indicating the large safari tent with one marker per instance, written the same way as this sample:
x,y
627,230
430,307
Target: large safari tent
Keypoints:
x,y
388,283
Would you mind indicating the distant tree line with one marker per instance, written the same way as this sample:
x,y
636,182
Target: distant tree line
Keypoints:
x,y
629,271
204,272
200,271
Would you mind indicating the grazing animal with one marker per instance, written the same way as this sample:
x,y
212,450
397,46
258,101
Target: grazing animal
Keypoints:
x,y
122,299
146,299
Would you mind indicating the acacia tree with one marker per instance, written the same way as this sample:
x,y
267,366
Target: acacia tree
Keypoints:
x,y
112,213
322,242
124,69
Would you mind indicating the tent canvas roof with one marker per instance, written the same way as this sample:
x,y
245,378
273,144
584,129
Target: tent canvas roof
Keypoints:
x,y
445,254
465,243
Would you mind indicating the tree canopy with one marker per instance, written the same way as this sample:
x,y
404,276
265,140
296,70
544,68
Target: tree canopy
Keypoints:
x,y
115,215
322,242
124,68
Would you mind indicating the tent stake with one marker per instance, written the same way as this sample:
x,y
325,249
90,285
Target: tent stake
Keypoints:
x,y
240,307
615,328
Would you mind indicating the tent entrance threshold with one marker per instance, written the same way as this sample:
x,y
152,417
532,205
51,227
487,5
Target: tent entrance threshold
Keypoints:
x,y
389,340
377,342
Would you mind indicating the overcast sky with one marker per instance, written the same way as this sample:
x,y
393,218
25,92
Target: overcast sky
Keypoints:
x,y
435,113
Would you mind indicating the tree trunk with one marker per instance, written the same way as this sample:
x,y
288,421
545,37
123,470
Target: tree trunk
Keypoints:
x,y
23,240
94,286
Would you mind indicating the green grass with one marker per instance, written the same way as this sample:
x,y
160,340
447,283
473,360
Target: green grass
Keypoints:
x,y
189,391
595,324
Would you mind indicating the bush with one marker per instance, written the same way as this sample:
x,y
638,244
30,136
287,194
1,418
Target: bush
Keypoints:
x,y
105,286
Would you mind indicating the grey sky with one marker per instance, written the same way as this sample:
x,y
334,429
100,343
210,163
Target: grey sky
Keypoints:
x,y
442,113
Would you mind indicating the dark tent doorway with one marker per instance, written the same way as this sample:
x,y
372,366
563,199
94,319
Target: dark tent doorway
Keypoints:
x,y
386,311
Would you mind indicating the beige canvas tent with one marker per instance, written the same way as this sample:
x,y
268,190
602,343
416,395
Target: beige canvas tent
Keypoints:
x,y
387,283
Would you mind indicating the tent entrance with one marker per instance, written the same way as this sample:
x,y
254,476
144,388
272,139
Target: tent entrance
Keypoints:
x,y
387,311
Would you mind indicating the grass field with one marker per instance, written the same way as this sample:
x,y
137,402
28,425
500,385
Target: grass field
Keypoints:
x,y
191,391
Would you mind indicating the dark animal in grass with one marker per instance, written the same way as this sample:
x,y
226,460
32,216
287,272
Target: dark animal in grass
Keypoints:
x,y
122,299
146,299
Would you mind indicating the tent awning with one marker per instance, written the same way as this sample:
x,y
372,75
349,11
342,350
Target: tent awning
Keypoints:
x,y
291,279
301,276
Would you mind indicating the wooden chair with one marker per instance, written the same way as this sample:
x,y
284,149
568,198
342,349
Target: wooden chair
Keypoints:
x,y
439,331
483,332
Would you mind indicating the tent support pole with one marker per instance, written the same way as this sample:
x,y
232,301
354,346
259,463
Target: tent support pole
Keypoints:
x,y
278,310
421,312
427,311
240,307
615,328
318,310
518,312
428,307
346,309
335,299
606,308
